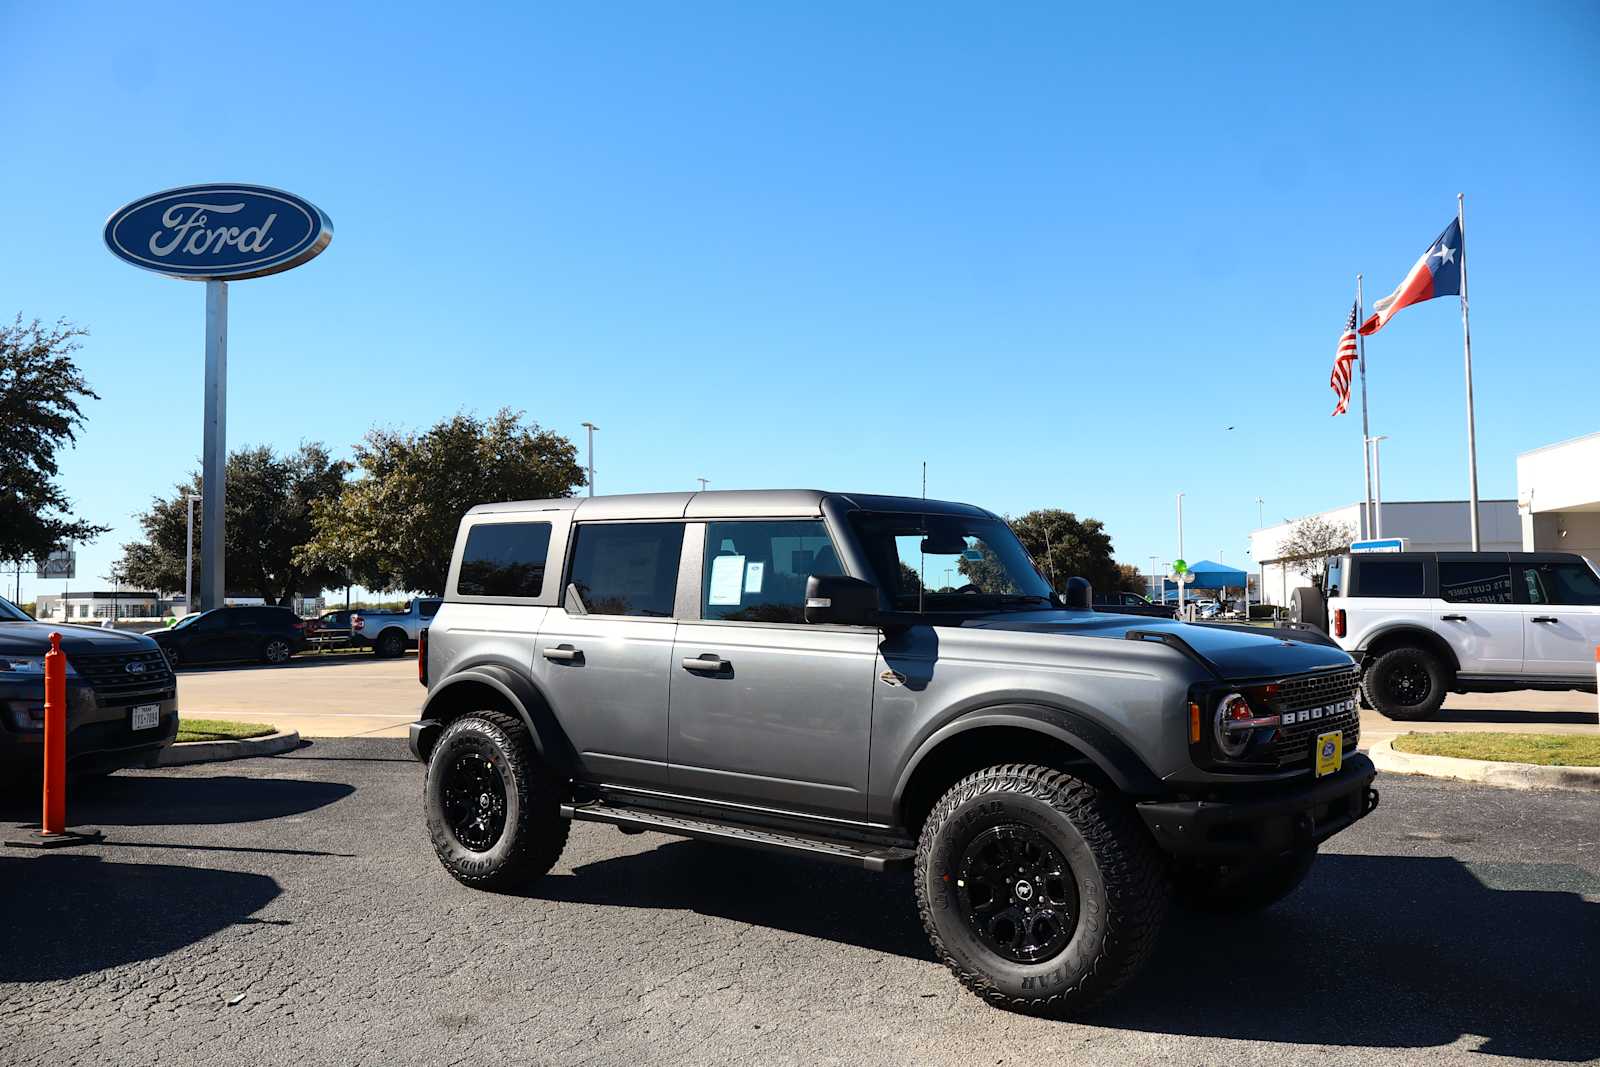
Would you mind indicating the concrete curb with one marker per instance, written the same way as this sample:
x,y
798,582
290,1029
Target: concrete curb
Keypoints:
x,y
1487,772
216,751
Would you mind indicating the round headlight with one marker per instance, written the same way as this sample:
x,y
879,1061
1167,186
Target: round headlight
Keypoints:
x,y
1230,709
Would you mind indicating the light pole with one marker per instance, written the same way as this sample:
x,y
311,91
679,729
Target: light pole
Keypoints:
x,y
1377,482
188,555
703,483
1261,586
1158,591
1181,582
591,427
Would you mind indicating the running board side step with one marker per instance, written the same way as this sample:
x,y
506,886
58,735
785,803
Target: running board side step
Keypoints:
x,y
859,854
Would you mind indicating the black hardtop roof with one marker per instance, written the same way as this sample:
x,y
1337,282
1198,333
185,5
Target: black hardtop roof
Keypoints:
x,y
1471,557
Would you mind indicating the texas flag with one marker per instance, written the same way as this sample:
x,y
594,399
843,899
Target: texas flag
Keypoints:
x,y
1437,273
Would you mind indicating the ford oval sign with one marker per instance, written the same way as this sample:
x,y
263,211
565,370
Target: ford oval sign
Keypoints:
x,y
218,232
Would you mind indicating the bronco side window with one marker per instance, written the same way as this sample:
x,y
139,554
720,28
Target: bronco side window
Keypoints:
x,y
627,568
501,559
757,571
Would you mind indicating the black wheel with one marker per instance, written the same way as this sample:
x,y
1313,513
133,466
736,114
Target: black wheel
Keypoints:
x,y
276,651
1307,605
390,643
1406,683
1040,892
1242,887
493,810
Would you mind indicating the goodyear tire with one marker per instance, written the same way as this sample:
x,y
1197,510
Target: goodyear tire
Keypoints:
x,y
1041,893
1235,889
493,811
1406,683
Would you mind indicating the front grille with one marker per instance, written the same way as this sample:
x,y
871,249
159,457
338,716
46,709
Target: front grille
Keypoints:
x,y
1292,745
126,677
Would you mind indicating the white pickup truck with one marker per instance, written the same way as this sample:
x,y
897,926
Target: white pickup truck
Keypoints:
x,y
390,633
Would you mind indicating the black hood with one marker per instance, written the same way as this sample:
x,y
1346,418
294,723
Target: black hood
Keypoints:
x,y
33,639
1234,652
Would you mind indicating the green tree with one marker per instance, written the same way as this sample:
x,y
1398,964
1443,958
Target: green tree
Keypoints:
x,y
1065,546
1131,580
40,392
270,500
394,524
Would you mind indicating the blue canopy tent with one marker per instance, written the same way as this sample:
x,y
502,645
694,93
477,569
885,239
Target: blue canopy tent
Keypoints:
x,y
1209,576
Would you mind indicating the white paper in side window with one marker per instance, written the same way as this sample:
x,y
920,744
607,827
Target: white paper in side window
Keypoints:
x,y
727,580
753,573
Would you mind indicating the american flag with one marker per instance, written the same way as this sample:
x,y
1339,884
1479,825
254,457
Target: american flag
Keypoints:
x,y
1343,360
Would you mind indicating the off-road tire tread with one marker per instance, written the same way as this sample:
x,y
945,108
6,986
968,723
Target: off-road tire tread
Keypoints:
x,y
539,841
1137,891
1445,681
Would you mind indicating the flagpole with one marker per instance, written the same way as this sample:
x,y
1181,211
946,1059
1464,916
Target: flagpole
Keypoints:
x,y
1466,343
1366,453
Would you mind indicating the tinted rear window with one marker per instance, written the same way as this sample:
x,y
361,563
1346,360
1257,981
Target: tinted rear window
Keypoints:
x,y
503,559
628,568
1392,578
1475,583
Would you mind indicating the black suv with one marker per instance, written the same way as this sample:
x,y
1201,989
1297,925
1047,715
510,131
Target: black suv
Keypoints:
x,y
267,634
122,701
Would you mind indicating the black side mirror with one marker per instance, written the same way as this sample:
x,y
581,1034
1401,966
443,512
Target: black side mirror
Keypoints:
x,y
841,600
1078,595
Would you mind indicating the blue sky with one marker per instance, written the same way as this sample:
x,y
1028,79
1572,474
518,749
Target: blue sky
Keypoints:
x,y
1054,252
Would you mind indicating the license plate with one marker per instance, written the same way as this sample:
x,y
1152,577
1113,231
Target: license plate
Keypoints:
x,y
146,716
1330,752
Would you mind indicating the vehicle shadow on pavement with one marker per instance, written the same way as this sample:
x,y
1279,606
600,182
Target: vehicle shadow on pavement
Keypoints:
x,y
1389,952
152,800
73,915
802,896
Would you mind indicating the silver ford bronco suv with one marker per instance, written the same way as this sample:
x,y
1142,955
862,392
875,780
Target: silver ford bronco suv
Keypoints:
x,y
887,682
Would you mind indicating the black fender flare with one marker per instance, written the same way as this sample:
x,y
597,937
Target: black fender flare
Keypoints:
x,y
1119,763
525,700
1421,635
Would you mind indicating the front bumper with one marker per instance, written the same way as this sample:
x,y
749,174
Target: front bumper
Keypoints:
x,y
421,736
100,735
1265,822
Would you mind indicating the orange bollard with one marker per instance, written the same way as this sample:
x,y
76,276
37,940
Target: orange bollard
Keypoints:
x,y
53,832
54,820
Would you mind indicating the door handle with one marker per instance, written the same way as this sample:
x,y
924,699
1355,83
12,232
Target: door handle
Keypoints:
x,y
709,663
1452,618
1544,618
564,654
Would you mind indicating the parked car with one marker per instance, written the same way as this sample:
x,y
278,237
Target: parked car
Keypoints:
x,y
255,632
1125,603
1049,773
1425,624
390,633
122,701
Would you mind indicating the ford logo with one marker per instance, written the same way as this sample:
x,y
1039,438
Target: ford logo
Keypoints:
x,y
218,232
135,667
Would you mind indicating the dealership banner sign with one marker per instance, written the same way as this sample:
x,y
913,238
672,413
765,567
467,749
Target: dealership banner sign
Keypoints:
x,y
218,232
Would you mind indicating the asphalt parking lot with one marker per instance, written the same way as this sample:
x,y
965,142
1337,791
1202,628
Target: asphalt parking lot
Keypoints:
x,y
289,910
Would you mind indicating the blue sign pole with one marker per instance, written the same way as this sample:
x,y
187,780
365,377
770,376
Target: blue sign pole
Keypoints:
x,y
214,459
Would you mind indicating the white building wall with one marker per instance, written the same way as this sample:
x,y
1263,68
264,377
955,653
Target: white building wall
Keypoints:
x,y
1558,492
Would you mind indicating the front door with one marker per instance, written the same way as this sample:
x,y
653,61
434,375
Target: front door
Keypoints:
x,y
768,711
603,658
1563,619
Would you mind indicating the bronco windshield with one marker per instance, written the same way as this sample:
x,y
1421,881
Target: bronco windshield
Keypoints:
x,y
949,563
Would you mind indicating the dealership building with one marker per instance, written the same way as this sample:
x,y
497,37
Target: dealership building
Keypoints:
x,y
1557,509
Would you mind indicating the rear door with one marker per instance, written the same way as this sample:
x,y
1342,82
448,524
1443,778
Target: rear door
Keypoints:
x,y
1479,615
604,655
1563,618
767,710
